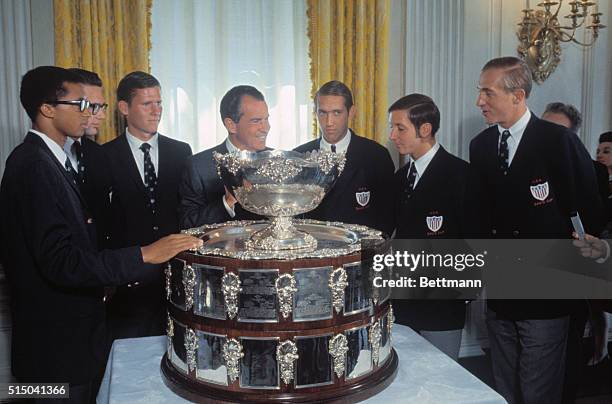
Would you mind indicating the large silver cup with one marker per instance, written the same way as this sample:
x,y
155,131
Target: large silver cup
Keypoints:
x,y
279,185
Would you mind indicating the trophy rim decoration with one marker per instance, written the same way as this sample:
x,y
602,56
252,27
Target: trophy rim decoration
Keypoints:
x,y
279,185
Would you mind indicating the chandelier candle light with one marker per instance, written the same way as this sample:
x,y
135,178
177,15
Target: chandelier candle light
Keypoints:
x,y
540,33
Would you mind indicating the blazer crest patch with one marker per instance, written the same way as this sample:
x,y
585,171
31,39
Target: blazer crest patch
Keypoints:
x,y
363,198
540,191
434,223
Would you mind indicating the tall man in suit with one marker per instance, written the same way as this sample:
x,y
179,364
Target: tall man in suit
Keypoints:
x,y
204,200
87,156
362,194
535,177
145,169
48,245
434,184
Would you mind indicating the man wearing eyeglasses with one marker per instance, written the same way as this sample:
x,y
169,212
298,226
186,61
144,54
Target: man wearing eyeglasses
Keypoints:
x,y
87,156
145,169
48,248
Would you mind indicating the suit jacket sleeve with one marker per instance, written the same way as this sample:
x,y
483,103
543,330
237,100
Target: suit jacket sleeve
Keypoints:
x,y
51,239
386,203
195,207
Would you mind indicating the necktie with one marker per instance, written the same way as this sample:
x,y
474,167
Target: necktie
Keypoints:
x,y
78,152
504,154
333,148
150,178
411,179
71,171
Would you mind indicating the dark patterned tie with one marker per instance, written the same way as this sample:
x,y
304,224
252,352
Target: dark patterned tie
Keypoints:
x,y
150,178
71,171
78,152
411,179
504,153
333,148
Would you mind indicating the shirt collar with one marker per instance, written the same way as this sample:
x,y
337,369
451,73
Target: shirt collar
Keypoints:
x,y
422,162
135,143
516,130
341,146
230,146
56,149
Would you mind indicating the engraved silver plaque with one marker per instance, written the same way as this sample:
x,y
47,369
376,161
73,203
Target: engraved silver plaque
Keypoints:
x,y
179,353
313,298
287,353
286,286
191,346
232,353
257,303
188,285
177,289
259,365
375,341
230,285
337,284
211,366
338,347
356,299
359,355
314,364
208,299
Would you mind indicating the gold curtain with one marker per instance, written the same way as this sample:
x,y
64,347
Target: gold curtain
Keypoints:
x,y
349,42
109,37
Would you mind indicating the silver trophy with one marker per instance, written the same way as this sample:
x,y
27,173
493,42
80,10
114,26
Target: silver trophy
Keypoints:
x,y
279,185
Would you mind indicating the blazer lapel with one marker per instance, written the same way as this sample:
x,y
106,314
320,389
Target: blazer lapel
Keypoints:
x,y
521,156
35,139
432,169
129,164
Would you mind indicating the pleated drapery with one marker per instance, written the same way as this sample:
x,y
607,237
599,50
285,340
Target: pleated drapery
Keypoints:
x,y
109,37
349,42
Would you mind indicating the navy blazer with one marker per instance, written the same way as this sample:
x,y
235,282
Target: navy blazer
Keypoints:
x,y
54,270
550,177
363,193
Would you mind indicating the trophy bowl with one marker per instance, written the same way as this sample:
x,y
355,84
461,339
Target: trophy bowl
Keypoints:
x,y
279,184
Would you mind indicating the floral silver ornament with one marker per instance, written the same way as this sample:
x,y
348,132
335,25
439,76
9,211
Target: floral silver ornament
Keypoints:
x,y
337,283
286,286
374,337
168,272
390,320
278,169
191,346
189,285
169,333
230,286
338,347
231,161
232,353
286,353
327,160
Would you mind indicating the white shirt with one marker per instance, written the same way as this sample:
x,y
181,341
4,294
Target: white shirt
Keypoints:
x,y
422,162
70,151
341,146
138,154
516,134
56,149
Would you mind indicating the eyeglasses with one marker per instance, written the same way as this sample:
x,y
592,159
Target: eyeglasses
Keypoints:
x,y
95,107
83,103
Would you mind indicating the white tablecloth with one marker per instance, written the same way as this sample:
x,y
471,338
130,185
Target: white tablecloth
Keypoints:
x,y
425,375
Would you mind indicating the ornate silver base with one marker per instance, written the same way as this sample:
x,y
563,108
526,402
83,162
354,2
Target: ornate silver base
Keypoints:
x,y
281,235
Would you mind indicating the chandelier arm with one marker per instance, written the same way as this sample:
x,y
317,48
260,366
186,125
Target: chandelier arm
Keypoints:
x,y
558,9
564,36
585,44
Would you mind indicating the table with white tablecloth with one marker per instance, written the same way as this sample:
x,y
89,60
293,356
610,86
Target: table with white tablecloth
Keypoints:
x,y
424,375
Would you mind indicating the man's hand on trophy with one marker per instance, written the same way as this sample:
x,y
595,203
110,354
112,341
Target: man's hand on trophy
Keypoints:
x,y
592,247
167,247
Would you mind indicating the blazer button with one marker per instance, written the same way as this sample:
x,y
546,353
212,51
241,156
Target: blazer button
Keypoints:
x,y
129,285
89,220
155,228
493,232
515,233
